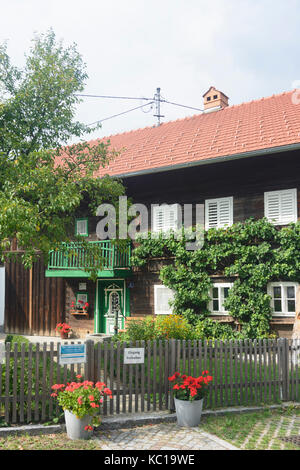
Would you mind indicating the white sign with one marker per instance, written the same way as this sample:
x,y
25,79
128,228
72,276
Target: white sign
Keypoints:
x,y
72,353
82,286
2,353
134,355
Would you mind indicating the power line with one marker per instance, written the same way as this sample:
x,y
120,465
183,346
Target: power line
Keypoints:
x,y
114,97
181,105
135,98
120,114
157,99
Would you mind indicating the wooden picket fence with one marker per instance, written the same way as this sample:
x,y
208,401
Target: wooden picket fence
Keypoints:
x,y
245,373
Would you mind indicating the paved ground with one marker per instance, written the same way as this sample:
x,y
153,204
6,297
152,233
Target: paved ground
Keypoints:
x,y
164,436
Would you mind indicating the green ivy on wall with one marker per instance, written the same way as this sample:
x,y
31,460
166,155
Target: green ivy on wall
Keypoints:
x,y
252,253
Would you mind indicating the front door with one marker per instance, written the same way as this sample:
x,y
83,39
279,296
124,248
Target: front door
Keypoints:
x,y
111,305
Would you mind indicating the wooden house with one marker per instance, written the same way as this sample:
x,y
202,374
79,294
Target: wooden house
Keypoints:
x,y
236,161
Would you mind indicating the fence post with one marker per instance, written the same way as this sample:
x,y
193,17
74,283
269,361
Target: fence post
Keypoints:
x,y
171,369
89,365
284,368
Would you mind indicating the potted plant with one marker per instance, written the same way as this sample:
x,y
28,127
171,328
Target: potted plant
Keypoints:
x,y
63,329
189,394
81,401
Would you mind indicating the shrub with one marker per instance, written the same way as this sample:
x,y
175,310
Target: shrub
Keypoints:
x,y
173,327
209,330
177,327
143,329
16,339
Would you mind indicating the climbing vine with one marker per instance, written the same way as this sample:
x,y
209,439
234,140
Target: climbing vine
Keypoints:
x,y
252,254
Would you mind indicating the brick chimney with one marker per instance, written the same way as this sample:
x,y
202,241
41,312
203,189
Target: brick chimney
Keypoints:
x,y
214,100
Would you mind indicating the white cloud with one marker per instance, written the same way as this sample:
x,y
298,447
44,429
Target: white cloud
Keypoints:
x,y
247,48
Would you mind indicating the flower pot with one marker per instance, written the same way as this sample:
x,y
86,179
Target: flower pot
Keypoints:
x,y
75,426
188,412
64,335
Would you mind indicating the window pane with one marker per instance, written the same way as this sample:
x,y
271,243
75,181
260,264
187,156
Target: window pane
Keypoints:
x,y
225,292
215,305
277,306
215,293
291,306
290,292
277,292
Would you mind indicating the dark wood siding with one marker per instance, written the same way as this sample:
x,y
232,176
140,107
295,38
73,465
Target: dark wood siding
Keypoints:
x,y
80,324
48,300
246,180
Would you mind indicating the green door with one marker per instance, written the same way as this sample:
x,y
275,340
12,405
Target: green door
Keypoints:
x,y
112,301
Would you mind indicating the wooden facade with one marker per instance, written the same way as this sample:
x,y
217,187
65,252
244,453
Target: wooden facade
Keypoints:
x,y
34,304
38,309
245,180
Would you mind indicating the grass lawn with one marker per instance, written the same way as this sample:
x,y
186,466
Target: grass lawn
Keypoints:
x,y
46,442
262,430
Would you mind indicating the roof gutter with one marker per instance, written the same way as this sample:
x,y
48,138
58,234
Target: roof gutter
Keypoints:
x,y
209,161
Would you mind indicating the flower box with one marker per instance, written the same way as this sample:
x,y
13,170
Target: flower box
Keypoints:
x,y
78,311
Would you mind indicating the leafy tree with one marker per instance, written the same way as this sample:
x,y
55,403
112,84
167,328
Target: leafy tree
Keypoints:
x,y
44,181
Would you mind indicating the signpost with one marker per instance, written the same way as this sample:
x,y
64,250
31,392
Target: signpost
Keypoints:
x,y
134,355
72,353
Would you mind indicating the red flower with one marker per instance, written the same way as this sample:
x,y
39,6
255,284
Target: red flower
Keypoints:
x,y
93,405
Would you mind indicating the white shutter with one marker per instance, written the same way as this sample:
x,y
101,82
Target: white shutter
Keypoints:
x,y
165,217
162,296
158,219
219,213
81,227
281,206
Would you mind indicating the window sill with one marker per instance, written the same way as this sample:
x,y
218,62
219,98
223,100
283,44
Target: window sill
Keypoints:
x,y
283,315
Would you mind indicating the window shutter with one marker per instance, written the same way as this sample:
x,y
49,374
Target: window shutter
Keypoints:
x,y
81,227
165,218
158,219
281,206
171,216
219,213
162,296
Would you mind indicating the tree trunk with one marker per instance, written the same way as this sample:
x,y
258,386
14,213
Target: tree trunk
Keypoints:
x,y
296,331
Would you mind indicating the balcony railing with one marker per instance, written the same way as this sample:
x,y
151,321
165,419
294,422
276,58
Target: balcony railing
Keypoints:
x,y
102,255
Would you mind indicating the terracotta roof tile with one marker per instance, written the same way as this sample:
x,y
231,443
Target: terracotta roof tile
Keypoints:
x,y
256,125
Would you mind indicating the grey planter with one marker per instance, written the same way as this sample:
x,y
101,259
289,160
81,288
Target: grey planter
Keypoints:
x,y
75,426
188,412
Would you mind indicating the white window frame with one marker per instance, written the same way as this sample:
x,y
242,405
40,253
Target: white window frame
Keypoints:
x,y
166,209
281,220
284,298
156,309
86,232
220,286
218,202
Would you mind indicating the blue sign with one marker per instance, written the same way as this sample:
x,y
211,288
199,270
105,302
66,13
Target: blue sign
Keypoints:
x,y
72,353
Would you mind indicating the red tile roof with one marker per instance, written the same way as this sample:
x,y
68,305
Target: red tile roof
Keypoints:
x,y
256,125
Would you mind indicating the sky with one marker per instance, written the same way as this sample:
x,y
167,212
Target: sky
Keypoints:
x,y
246,48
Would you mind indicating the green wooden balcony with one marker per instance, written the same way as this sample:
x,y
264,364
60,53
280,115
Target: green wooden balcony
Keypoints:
x,y
77,259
